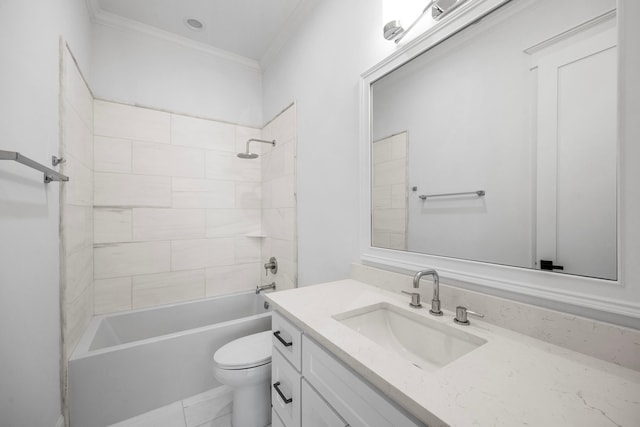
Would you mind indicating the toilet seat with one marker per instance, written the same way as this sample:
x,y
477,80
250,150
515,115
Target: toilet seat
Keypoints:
x,y
246,352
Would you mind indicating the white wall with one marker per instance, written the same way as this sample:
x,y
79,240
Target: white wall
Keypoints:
x,y
29,209
138,69
319,68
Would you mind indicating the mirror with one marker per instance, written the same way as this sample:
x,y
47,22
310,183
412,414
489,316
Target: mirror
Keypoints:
x,y
499,144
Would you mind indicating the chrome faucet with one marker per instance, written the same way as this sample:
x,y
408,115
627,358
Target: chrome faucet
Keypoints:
x,y
435,301
271,285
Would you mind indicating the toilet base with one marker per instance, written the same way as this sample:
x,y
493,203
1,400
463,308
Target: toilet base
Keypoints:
x,y
251,406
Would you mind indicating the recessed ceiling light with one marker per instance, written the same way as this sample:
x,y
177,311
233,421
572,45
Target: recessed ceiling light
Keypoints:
x,y
194,24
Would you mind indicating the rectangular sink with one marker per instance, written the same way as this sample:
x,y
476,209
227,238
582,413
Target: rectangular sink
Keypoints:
x,y
426,343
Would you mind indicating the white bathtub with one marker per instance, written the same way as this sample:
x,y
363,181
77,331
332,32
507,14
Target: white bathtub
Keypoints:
x,y
129,363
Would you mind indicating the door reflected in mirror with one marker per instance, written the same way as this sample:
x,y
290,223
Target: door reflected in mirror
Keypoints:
x,y
499,144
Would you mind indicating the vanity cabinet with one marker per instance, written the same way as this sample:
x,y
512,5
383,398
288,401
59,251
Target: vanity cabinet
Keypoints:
x,y
317,390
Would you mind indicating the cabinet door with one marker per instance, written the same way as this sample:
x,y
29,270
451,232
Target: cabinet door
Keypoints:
x,y
285,391
316,412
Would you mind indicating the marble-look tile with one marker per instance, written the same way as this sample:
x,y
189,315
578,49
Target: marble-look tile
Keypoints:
x,y
380,239
128,122
202,193
202,253
381,197
168,224
247,250
111,155
77,228
278,162
132,190
243,134
283,192
77,314
248,195
279,223
399,146
128,259
111,295
164,288
112,225
207,406
233,278
77,138
232,222
167,160
381,151
392,220
391,172
399,196
227,166
78,271
75,90
202,133
79,189
167,416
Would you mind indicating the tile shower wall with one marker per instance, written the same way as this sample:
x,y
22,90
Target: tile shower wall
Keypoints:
x,y
279,198
389,192
177,215
76,107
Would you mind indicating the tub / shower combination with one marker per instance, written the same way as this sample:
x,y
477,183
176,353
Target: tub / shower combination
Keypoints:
x,y
129,363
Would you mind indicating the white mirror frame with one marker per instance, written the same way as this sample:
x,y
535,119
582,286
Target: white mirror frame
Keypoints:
x,y
613,301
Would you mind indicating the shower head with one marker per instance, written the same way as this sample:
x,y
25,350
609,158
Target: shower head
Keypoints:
x,y
249,155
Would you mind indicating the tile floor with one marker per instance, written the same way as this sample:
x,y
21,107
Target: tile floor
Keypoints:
x,y
209,409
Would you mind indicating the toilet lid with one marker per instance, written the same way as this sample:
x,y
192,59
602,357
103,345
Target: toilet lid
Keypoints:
x,y
246,352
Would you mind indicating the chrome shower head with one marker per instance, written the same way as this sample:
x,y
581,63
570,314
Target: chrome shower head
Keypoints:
x,y
249,155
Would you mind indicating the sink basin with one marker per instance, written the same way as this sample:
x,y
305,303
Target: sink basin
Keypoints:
x,y
426,343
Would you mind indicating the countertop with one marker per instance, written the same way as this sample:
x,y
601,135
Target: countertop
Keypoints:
x,y
511,380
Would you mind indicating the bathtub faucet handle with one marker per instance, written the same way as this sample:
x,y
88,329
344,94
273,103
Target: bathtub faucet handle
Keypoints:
x,y
271,265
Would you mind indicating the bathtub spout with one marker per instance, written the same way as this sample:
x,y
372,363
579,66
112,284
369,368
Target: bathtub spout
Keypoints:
x,y
271,285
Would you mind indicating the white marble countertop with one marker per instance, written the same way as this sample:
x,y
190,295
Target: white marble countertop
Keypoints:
x,y
509,381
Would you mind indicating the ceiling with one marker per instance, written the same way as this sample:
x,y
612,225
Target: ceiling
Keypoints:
x,y
247,28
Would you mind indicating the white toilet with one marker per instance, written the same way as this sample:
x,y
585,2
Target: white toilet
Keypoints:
x,y
245,366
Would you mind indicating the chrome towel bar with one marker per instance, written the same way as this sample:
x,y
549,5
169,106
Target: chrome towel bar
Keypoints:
x,y
479,193
49,174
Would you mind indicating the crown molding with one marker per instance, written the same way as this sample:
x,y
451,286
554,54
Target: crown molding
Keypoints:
x,y
102,17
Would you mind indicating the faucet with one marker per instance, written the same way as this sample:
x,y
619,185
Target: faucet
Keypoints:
x,y
435,301
271,265
271,285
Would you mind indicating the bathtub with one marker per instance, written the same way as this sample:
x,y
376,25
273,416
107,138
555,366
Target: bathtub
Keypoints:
x,y
129,363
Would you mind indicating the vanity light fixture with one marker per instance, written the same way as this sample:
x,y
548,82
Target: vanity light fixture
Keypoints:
x,y
393,29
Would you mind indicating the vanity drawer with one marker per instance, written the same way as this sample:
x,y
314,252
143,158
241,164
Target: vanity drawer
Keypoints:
x,y
316,411
288,339
275,420
285,390
359,403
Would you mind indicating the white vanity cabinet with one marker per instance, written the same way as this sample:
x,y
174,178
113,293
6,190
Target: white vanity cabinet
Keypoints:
x,y
315,389
316,412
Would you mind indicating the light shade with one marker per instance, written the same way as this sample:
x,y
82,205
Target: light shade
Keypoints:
x,y
404,11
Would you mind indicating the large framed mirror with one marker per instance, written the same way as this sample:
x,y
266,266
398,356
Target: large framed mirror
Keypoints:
x,y
499,144
491,150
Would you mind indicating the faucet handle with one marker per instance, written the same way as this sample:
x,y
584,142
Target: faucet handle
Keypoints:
x,y
461,315
415,299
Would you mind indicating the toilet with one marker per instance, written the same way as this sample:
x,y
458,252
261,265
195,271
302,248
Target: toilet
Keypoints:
x,y
245,366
